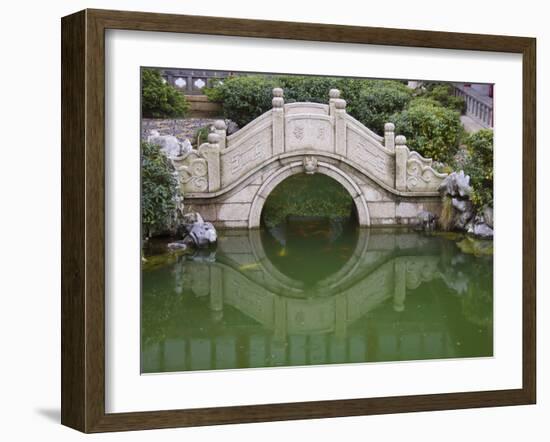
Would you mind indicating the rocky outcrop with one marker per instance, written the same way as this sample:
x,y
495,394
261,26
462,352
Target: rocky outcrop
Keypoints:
x,y
177,245
479,225
232,127
169,145
456,189
456,184
197,231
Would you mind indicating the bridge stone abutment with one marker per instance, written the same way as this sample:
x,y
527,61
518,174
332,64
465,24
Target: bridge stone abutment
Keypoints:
x,y
229,178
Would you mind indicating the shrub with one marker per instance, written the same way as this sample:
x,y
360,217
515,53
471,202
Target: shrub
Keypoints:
x,y
201,135
443,93
160,99
377,101
478,163
316,89
304,88
243,98
432,130
158,190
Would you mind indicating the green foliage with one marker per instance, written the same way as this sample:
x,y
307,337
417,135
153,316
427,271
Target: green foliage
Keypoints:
x,y
316,89
304,88
443,93
243,98
158,190
307,195
475,246
431,122
377,101
160,99
432,130
201,136
478,163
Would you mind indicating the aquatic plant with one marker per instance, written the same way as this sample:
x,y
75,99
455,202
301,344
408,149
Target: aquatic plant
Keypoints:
x,y
447,214
476,247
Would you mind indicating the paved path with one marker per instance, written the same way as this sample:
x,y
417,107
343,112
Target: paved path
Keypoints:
x,y
470,125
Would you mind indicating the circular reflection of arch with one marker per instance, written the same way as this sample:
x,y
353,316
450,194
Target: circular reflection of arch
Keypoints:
x,y
279,283
295,168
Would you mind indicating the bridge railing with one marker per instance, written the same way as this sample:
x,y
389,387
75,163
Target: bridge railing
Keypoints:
x,y
306,129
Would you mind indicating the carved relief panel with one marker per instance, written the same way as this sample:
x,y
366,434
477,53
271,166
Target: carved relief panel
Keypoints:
x,y
309,132
370,157
421,177
245,155
192,172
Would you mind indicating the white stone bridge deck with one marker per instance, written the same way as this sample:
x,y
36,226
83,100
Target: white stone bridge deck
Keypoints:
x,y
229,178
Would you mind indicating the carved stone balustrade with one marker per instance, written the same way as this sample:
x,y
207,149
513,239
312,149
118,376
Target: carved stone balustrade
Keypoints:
x,y
229,177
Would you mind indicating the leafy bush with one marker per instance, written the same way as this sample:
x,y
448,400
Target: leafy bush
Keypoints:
x,y
432,130
201,135
160,99
443,93
243,98
478,163
377,101
316,89
304,88
158,190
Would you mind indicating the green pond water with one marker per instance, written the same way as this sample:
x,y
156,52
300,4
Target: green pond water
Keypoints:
x,y
315,291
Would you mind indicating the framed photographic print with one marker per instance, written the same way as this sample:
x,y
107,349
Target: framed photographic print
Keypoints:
x,y
272,220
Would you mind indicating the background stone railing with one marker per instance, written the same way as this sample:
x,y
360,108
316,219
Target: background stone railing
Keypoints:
x,y
478,106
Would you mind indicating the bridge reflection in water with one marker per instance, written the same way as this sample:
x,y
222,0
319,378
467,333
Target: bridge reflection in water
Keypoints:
x,y
267,299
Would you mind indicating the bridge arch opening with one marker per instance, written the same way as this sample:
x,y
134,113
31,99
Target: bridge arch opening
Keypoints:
x,y
359,206
309,221
315,197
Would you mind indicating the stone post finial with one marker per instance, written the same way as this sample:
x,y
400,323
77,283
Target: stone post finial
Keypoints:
x,y
211,153
213,138
401,157
389,136
337,109
278,100
340,104
220,128
220,125
334,93
277,115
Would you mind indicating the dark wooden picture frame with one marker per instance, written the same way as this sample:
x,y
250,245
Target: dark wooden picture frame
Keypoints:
x,y
83,220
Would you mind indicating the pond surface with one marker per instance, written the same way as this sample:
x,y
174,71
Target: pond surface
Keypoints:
x,y
316,291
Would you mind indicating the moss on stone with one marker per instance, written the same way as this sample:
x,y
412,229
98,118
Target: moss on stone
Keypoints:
x,y
155,261
476,247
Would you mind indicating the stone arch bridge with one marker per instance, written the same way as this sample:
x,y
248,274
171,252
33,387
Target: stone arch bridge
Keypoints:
x,y
229,178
